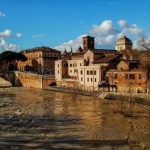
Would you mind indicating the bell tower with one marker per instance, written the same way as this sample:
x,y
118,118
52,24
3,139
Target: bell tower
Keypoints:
x,y
88,43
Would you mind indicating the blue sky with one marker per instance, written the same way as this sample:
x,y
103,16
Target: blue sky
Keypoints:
x,y
62,23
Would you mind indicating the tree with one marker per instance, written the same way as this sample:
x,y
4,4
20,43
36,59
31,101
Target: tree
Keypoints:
x,y
7,57
143,44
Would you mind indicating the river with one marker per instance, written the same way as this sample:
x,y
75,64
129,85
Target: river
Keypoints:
x,y
42,119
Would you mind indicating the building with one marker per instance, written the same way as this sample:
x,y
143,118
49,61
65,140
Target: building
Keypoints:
x,y
39,60
86,67
128,77
123,44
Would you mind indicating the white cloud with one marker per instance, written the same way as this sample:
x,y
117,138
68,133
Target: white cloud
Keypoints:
x,y
4,35
122,23
2,14
130,29
104,28
18,35
38,35
7,33
106,34
4,45
74,44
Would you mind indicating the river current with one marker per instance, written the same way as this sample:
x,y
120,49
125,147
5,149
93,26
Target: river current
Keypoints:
x,y
42,119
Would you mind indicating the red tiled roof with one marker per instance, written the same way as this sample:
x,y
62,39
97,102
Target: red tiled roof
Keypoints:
x,y
78,53
106,59
105,51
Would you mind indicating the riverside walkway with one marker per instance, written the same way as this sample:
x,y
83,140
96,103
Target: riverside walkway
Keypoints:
x,y
73,91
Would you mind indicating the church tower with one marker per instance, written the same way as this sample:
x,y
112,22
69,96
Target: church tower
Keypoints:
x,y
123,44
88,43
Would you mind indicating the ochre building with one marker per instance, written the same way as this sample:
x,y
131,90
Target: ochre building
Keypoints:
x,y
39,60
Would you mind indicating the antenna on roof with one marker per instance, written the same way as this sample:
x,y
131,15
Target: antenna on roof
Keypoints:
x,y
71,50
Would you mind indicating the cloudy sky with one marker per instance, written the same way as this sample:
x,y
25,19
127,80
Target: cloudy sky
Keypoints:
x,y
63,23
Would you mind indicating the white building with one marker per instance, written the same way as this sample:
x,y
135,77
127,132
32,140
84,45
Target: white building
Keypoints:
x,y
87,67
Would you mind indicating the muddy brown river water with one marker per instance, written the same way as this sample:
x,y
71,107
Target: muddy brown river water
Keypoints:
x,y
36,119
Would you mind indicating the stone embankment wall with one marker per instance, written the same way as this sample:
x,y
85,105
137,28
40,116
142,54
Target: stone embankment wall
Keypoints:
x,y
34,80
27,79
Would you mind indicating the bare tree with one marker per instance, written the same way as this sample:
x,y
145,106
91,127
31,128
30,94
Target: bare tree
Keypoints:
x,y
143,44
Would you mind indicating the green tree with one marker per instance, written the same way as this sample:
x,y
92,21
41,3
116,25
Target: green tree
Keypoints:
x,y
7,57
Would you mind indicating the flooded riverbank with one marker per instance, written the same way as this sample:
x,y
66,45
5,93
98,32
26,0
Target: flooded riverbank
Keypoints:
x,y
36,119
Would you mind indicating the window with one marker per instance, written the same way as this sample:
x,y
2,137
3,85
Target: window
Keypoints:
x,y
81,72
58,71
58,65
115,76
75,65
91,72
131,76
140,76
95,79
80,64
95,72
88,59
126,76
87,79
81,79
70,71
91,80
87,72
70,65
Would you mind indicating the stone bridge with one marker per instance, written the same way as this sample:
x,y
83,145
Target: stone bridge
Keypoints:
x,y
27,79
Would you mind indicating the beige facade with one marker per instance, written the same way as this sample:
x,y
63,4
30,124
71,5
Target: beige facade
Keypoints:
x,y
39,60
123,44
86,67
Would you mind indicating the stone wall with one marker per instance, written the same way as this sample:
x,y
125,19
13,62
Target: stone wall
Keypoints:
x,y
35,80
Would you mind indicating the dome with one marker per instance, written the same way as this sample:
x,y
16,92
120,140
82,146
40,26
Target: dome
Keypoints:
x,y
124,40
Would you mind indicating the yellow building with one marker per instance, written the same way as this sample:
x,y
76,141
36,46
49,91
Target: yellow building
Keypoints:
x,y
39,60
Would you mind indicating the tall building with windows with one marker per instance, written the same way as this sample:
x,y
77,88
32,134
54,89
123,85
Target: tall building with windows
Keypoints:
x,y
39,60
87,66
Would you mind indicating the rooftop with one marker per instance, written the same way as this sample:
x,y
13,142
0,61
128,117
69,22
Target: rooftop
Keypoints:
x,y
124,40
42,48
106,59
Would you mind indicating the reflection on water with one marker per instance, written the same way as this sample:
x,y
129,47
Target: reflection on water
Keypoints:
x,y
32,118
